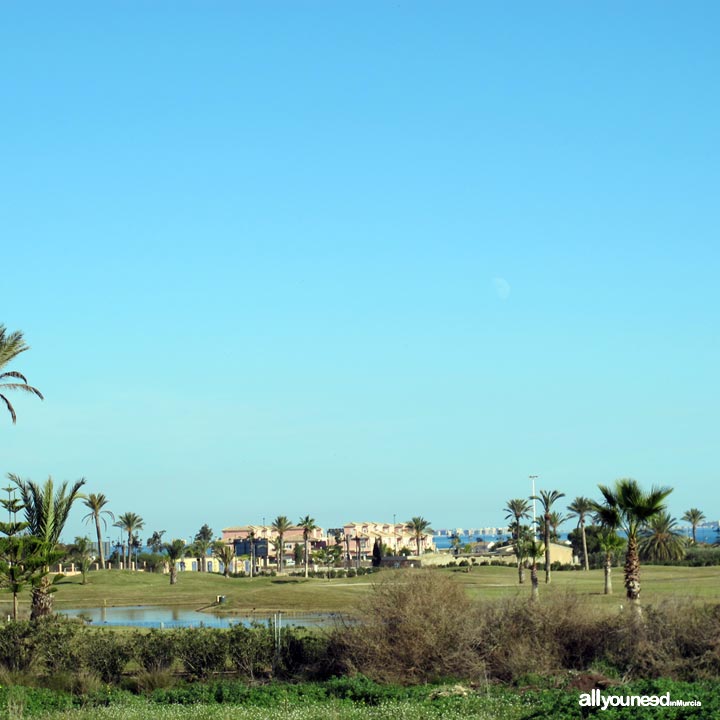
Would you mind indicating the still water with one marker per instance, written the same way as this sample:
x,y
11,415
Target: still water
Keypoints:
x,y
173,617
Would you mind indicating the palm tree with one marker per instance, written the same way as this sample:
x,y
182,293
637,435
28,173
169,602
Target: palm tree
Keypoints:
x,y
46,512
694,517
203,543
580,508
175,551
308,525
280,525
225,554
556,520
661,540
610,543
532,549
155,542
547,498
96,502
80,553
628,507
419,527
200,548
517,508
11,345
129,522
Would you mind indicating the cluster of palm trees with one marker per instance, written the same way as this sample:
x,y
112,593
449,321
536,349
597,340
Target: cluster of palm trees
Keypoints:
x,y
641,516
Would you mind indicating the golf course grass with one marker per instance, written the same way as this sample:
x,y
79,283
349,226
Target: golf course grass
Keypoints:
x,y
294,594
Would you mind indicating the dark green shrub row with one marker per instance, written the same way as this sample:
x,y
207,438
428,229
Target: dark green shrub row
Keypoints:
x,y
54,647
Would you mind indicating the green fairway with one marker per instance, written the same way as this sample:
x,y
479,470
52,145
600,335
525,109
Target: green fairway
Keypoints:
x,y
266,594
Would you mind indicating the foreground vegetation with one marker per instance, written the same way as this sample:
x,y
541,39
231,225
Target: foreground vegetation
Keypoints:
x,y
346,699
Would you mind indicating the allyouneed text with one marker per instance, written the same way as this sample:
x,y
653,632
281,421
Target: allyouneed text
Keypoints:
x,y
597,699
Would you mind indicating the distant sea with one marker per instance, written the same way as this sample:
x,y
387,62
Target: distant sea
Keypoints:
x,y
442,542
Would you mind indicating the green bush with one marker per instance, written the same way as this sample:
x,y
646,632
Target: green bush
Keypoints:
x,y
105,652
17,646
202,650
251,650
155,651
57,645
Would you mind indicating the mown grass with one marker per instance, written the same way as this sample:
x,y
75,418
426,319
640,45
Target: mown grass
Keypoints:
x,y
266,594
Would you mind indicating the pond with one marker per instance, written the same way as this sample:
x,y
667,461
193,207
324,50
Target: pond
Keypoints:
x,y
160,616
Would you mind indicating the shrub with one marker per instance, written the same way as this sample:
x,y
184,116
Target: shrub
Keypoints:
x,y
251,650
202,650
416,626
56,641
106,652
17,646
155,651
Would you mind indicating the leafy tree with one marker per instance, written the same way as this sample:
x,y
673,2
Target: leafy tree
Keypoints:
x,y
419,527
280,525
204,533
591,533
46,512
581,508
661,541
308,525
298,554
225,553
95,502
694,517
628,507
129,522
377,553
547,499
11,345
16,552
155,542
175,551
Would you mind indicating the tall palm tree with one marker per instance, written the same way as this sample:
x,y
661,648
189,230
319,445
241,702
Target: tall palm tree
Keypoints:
x,y
661,540
694,517
519,509
11,345
308,525
581,507
46,512
419,527
225,554
547,498
129,522
96,502
280,525
175,551
610,543
627,506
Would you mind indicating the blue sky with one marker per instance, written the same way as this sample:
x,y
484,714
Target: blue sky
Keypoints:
x,y
361,259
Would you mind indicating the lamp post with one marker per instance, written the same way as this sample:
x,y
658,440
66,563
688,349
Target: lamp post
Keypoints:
x,y
533,478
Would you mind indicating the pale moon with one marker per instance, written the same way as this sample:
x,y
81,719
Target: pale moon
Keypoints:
x,y
502,288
